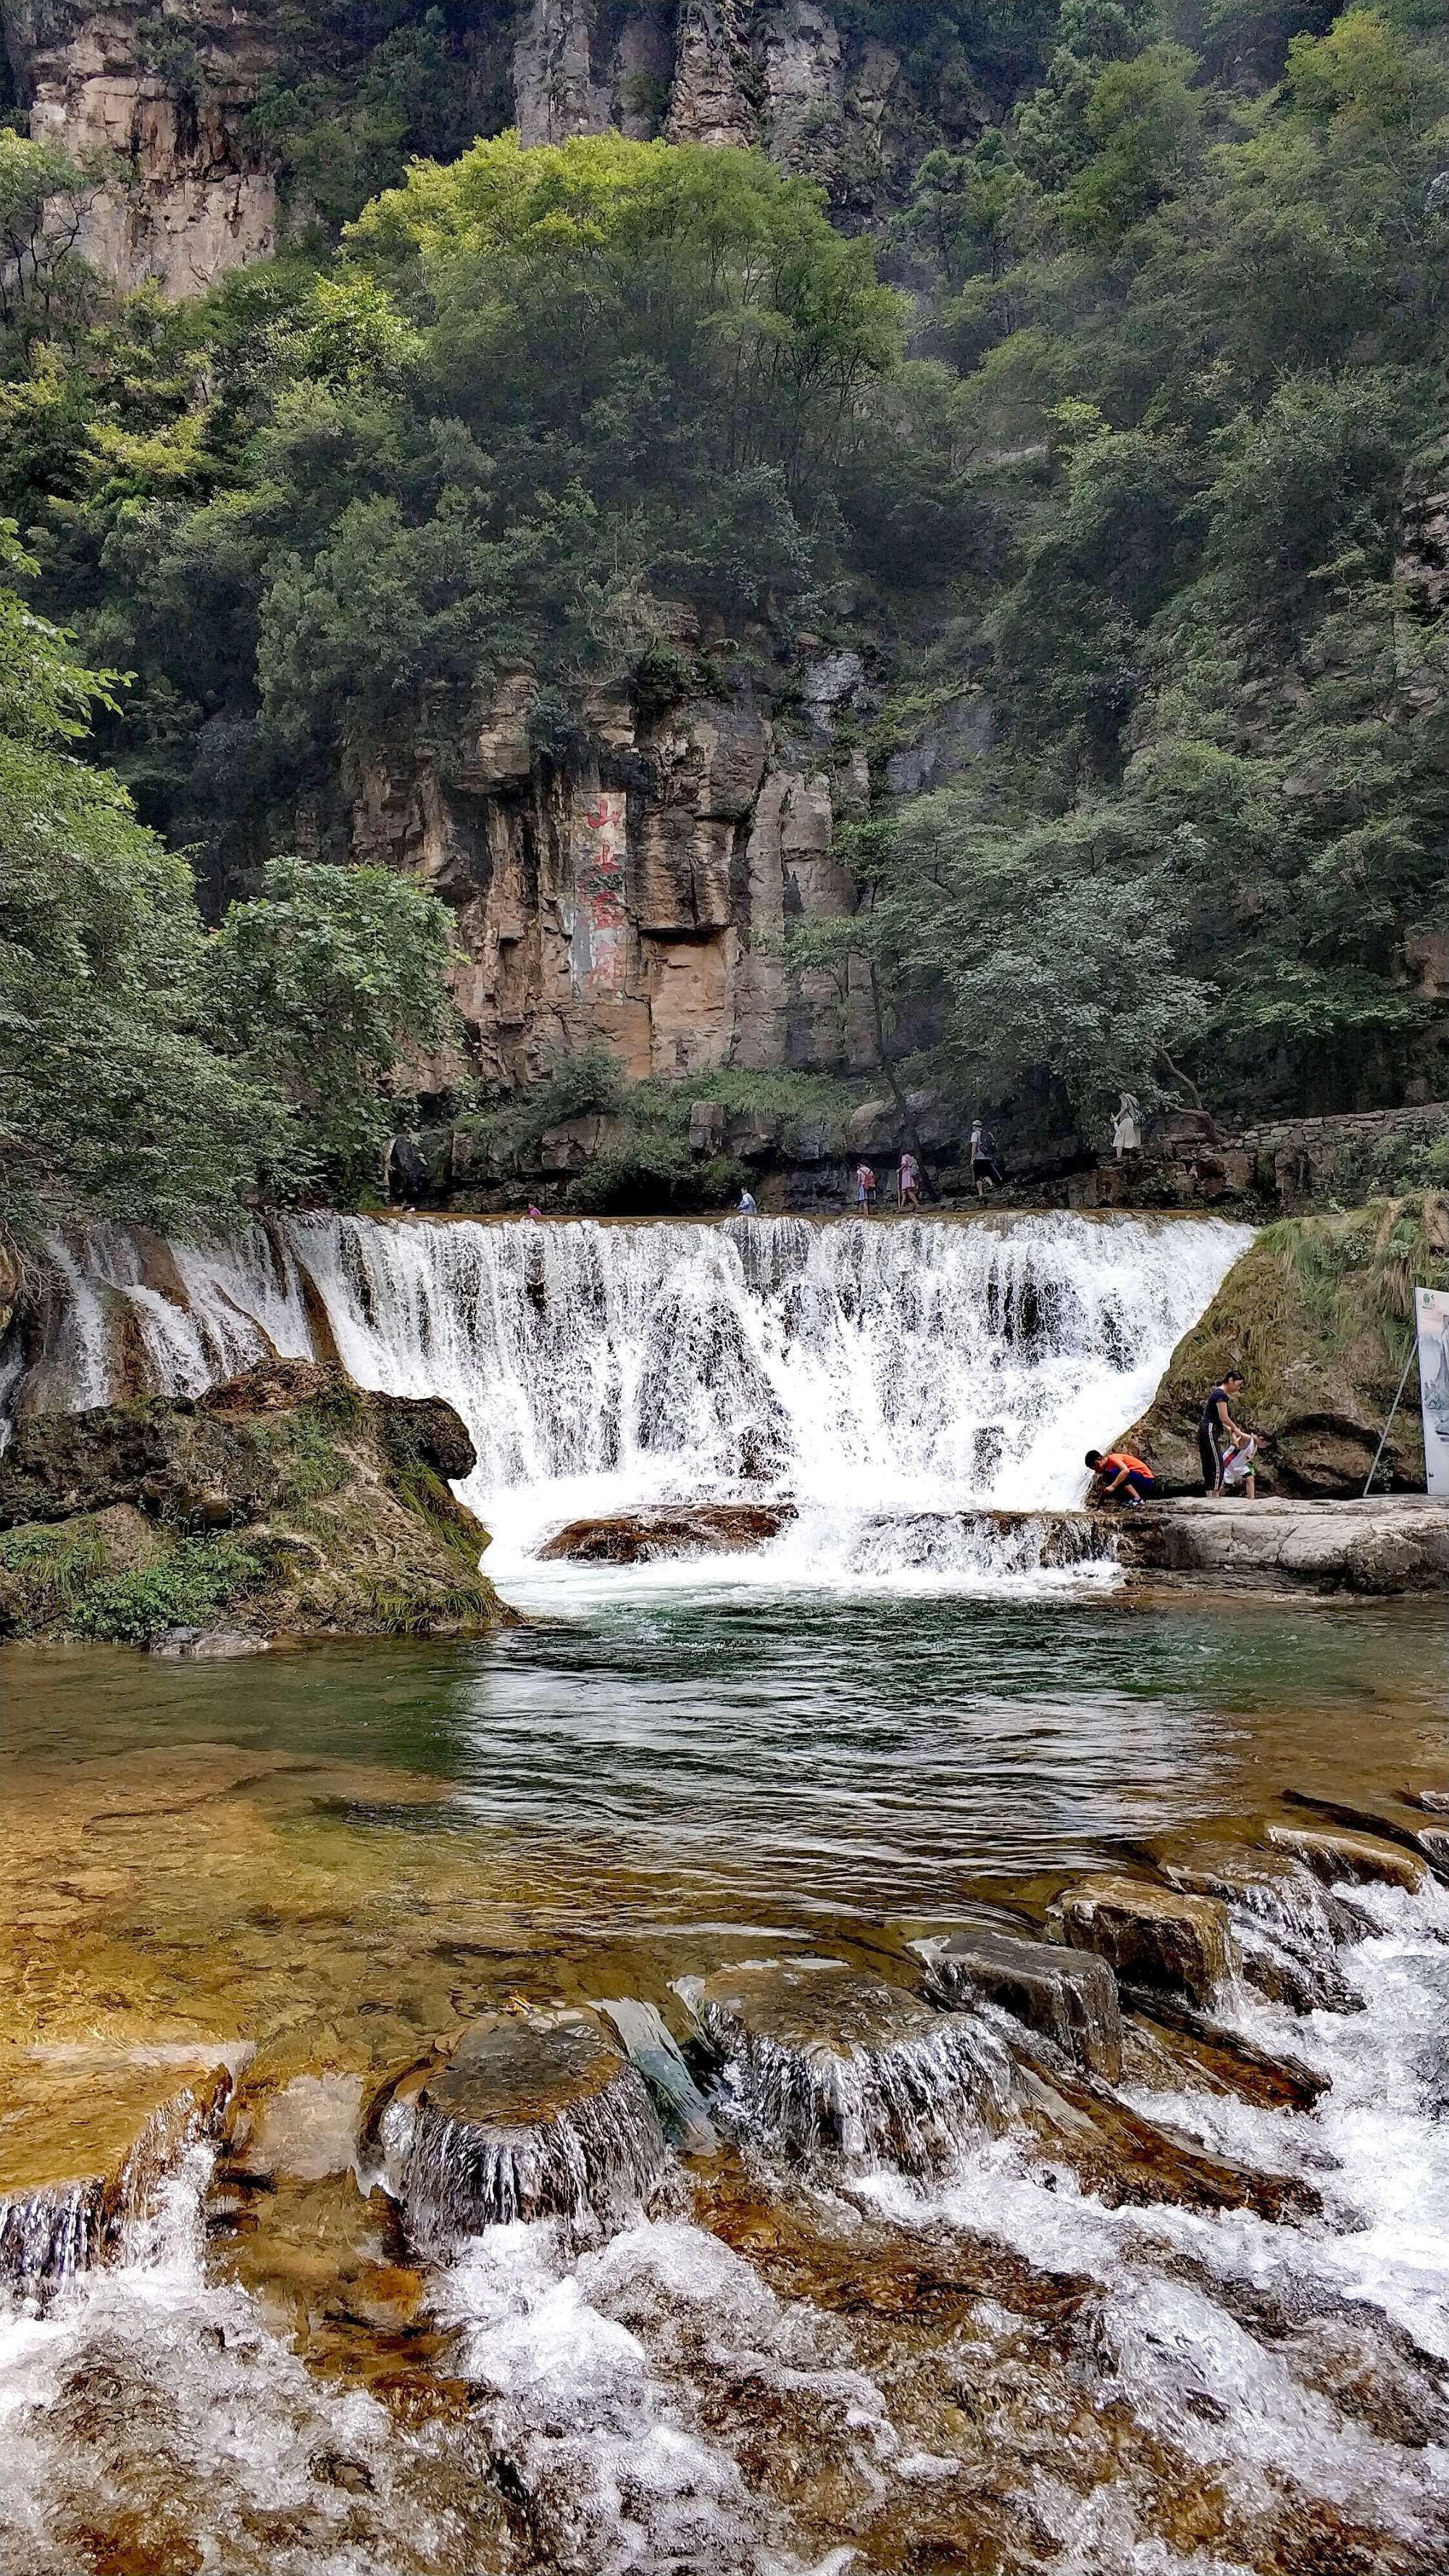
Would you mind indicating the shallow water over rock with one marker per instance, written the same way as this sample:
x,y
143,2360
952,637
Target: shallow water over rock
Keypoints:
x,y
938,2283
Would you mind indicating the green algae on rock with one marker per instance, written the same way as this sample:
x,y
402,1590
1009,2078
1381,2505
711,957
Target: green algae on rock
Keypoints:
x,y
285,1503
1318,1314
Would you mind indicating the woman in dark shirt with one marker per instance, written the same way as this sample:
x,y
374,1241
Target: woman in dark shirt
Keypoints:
x,y
1217,1431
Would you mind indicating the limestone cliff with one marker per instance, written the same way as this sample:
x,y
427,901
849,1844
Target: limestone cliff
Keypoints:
x,y
636,888
183,188
163,97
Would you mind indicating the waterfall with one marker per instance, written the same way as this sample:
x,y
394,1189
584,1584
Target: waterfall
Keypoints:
x,y
875,1375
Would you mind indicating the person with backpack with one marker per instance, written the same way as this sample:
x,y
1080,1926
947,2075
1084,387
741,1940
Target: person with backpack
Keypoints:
x,y
864,1189
986,1169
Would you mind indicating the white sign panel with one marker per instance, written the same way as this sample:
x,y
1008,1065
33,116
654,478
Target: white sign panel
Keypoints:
x,y
1431,1309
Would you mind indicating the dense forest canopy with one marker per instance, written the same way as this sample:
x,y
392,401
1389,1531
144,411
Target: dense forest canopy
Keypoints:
x,y
1112,423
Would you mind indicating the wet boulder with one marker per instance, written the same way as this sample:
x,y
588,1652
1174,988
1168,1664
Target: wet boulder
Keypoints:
x,y
1335,1853
88,2142
1160,1939
1067,1995
684,1529
820,2061
532,2115
1286,1923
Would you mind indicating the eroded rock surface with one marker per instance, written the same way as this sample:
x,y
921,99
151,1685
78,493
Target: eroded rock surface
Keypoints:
x,y
1066,1994
531,2116
1158,1938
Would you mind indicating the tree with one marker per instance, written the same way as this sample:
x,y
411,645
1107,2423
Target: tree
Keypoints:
x,y
43,200
111,1103
325,984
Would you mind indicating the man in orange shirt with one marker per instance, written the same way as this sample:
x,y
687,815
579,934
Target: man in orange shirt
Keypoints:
x,y
1120,1473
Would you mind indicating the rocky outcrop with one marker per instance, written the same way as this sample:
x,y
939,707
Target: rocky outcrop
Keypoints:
x,y
1318,1316
1398,1545
796,78
637,890
160,111
191,189
1163,1939
284,1503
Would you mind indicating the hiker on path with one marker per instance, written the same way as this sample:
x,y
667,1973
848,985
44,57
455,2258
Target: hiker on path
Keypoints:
x,y
1127,1125
908,1182
1217,1432
1119,1473
864,1189
986,1169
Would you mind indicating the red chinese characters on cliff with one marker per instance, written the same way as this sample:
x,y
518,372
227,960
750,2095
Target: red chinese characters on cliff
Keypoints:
x,y
601,922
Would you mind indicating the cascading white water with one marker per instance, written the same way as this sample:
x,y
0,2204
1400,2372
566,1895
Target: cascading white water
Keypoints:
x,y
873,1375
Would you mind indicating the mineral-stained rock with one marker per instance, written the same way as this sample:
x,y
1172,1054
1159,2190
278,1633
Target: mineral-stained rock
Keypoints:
x,y
821,2061
87,2140
1159,1938
1429,1842
1121,2156
1333,1853
1066,1994
531,2116
686,1529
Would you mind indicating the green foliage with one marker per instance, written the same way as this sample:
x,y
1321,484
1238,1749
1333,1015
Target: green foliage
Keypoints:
x,y
58,1584
43,199
322,984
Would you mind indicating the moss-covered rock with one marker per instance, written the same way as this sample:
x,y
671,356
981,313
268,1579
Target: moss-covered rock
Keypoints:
x,y
1319,1316
285,1503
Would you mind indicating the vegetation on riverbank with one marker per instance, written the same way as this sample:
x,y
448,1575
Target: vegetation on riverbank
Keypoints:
x,y
285,1503
1319,1317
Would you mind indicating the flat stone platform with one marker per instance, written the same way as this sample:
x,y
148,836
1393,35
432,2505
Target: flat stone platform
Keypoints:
x,y
1389,1544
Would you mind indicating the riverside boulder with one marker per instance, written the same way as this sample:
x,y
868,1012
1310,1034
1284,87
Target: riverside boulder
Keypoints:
x,y
285,1502
1066,1994
1163,1939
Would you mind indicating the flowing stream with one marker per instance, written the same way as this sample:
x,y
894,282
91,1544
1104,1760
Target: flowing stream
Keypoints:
x,y
953,2306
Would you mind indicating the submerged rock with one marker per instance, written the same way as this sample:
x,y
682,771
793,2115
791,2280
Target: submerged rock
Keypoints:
x,y
1067,1995
87,2143
1429,1842
821,2061
1161,1938
686,1529
531,2116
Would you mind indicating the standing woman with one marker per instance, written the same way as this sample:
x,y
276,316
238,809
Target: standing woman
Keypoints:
x,y
1217,1432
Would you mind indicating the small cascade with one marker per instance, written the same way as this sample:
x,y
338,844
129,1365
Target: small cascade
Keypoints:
x,y
52,2230
883,1379
819,2062
531,2117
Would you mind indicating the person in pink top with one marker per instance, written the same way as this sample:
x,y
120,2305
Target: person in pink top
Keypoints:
x,y
908,1182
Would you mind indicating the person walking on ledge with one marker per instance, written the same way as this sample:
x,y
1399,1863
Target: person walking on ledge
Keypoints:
x,y
864,1189
908,1182
1118,1472
1217,1432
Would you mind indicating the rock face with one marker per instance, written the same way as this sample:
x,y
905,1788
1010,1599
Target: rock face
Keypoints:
x,y
532,2116
793,77
282,1503
190,193
1317,1318
1161,1938
634,893
193,191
